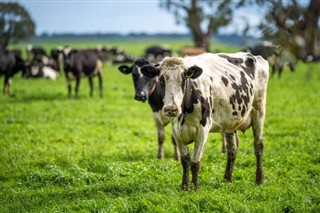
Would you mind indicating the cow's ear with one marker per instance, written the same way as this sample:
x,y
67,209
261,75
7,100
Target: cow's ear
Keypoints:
x,y
193,72
150,71
125,69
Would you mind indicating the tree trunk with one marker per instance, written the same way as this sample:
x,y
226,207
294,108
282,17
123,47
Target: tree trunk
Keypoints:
x,y
312,31
202,41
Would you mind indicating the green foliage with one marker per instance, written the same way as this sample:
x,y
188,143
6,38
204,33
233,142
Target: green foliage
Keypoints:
x,y
99,155
15,23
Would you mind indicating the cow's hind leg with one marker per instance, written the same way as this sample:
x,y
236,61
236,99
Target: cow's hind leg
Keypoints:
x,y
77,86
5,85
224,143
257,126
68,84
232,147
100,84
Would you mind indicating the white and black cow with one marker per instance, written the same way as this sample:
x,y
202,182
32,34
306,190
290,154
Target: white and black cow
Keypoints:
x,y
10,63
78,63
277,58
155,54
150,89
213,93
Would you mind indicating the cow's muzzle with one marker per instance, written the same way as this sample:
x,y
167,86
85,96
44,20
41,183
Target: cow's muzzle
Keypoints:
x,y
141,97
171,111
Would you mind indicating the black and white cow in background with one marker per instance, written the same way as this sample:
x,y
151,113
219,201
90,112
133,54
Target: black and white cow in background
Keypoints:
x,y
10,64
78,63
277,58
150,89
213,93
155,54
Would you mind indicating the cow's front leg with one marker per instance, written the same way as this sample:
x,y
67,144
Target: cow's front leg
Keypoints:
x,y
199,146
185,162
231,139
91,85
161,135
6,85
160,142
195,168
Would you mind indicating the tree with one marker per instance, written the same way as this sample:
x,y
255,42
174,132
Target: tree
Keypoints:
x,y
202,17
15,24
294,27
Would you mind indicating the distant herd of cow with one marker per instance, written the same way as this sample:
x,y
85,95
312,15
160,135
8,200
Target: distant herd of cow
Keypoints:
x,y
197,94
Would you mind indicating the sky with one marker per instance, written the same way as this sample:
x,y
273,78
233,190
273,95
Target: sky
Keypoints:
x,y
109,16
117,16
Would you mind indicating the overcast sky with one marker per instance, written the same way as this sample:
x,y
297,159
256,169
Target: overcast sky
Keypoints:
x,y
106,16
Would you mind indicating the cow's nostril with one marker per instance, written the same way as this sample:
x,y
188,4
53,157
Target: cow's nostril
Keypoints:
x,y
140,97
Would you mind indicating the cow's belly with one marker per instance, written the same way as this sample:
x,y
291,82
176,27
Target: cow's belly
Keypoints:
x,y
225,121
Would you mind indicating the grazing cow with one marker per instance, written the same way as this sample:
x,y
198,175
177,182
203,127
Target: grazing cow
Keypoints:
x,y
40,70
56,55
277,58
36,54
78,63
10,63
213,93
150,89
155,54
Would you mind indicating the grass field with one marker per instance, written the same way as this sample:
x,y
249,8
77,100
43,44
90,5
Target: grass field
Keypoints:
x,y
99,155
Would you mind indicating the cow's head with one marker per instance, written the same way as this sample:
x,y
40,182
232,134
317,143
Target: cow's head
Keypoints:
x,y
173,76
142,84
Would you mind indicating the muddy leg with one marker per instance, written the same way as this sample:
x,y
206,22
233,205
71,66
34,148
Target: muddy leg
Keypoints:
x,y
185,162
232,153
195,167
258,120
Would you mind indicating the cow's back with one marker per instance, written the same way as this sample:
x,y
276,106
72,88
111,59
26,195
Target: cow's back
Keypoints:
x,y
229,83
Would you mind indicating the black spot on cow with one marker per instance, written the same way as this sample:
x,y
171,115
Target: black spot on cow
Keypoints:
x,y
241,95
243,111
232,77
232,60
181,118
205,111
250,66
225,81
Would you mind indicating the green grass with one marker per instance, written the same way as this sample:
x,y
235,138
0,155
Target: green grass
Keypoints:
x,y
99,155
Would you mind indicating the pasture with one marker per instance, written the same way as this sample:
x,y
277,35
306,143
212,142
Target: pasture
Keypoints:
x,y
99,155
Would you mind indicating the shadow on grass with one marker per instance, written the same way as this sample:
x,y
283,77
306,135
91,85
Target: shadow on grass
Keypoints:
x,y
47,97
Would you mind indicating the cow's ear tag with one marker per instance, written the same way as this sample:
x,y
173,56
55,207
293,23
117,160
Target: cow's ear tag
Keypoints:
x,y
189,75
193,72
